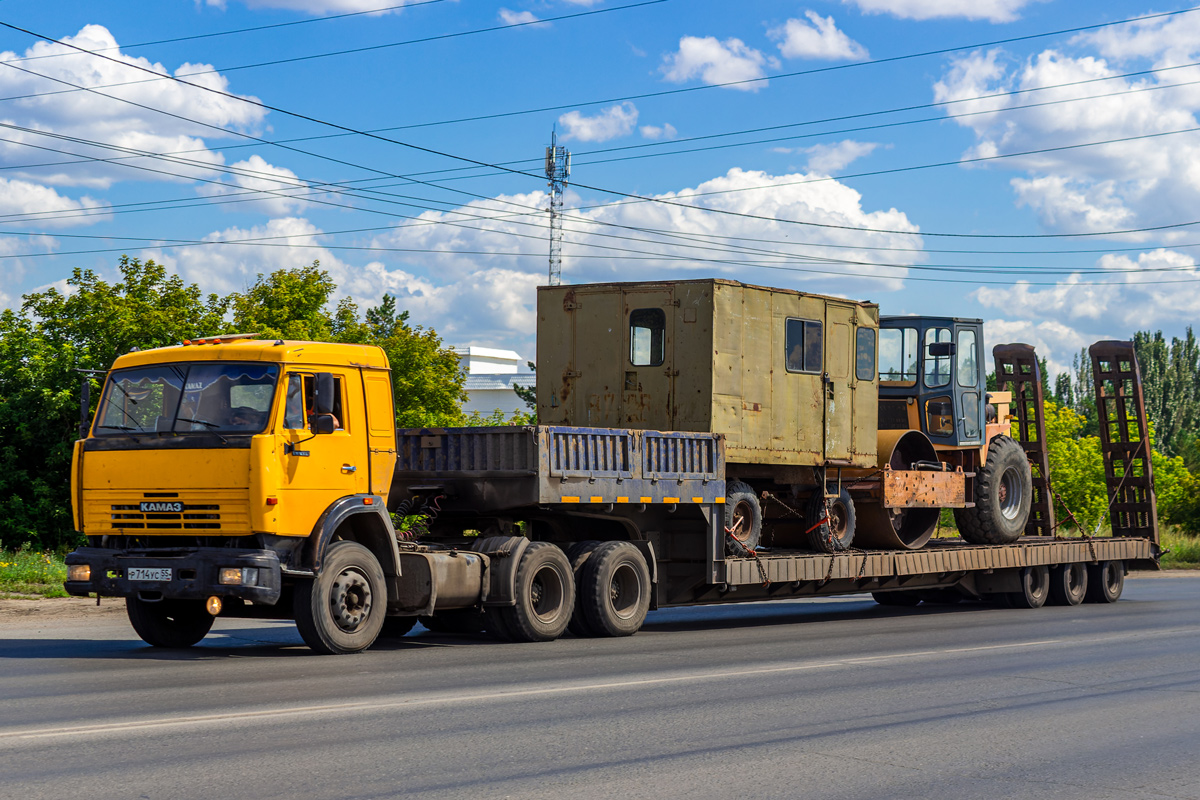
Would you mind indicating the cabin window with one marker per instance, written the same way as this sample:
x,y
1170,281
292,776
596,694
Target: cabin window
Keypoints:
x,y
803,345
938,351
968,365
647,337
864,354
898,355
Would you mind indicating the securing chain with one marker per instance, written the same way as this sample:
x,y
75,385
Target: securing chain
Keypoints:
x,y
1082,530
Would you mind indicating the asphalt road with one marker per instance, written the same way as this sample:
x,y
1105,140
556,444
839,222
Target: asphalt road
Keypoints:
x,y
817,699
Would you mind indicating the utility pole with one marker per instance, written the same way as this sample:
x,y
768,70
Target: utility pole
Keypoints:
x,y
558,169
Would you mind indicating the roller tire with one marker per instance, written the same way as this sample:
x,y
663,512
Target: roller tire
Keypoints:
x,y
615,589
1106,581
1068,584
343,609
455,621
578,554
998,517
837,534
896,599
545,595
173,624
1035,588
743,519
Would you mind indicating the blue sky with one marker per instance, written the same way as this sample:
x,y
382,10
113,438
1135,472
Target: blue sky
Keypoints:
x,y
1013,180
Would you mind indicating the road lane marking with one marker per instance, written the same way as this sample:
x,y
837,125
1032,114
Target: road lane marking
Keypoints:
x,y
389,702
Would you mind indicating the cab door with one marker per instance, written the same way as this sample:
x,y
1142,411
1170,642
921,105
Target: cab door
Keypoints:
x,y
381,429
648,378
317,470
969,382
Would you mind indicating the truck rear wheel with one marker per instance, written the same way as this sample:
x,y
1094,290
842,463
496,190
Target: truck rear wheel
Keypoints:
x,y
343,609
1035,588
743,518
615,589
1003,492
1106,581
1068,584
545,595
578,554
169,623
835,534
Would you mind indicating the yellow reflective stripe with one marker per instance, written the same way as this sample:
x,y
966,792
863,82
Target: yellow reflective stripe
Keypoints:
x,y
597,499
670,499
567,499
647,499
697,499
719,500
622,499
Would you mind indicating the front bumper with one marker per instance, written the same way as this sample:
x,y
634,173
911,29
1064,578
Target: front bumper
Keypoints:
x,y
194,573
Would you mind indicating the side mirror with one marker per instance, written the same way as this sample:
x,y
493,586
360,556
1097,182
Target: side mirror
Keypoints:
x,y
939,349
323,423
323,398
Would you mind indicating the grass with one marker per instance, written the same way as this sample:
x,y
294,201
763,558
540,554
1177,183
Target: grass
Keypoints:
x,y
28,572
1185,549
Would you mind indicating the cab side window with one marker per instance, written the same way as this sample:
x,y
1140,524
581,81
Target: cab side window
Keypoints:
x,y
310,390
299,405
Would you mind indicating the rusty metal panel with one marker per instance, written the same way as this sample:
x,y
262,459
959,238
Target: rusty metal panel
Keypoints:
x,y
1017,371
1124,440
681,455
914,489
590,453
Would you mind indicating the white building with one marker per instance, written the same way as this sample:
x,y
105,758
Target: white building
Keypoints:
x,y
491,375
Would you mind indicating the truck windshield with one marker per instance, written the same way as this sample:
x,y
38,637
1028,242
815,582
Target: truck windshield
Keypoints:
x,y
186,398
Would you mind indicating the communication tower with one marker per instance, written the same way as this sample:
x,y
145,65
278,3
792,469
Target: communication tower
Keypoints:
x,y
558,169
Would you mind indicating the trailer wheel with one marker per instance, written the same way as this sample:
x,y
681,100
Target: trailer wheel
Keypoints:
x,y
1106,581
835,534
396,627
1068,584
169,623
1035,588
1003,492
897,599
615,589
743,519
545,594
343,609
459,621
578,555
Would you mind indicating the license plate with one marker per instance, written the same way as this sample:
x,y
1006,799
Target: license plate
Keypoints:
x,y
148,573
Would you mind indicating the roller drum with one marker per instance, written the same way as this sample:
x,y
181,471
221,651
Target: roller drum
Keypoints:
x,y
911,528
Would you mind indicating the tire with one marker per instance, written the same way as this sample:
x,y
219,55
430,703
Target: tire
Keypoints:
x,y
343,609
1035,588
837,534
396,627
1068,584
169,623
455,621
743,519
545,594
578,554
615,590
1106,581
1003,492
897,599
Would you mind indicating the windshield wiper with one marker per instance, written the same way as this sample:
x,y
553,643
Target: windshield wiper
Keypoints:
x,y
119,427
203,422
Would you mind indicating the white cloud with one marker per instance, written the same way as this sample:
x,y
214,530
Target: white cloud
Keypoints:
x,y
714,61
90,116
1053,341
817,38
24,198
1127,184
317,6
256,175
664,131
991,10
829,158
610,123
516,17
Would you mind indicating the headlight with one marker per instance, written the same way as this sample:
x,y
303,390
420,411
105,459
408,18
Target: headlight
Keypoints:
x,y
235,576
79,572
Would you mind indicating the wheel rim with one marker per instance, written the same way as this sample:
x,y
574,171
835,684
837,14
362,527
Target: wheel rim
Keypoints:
x,y
1039,582
1010,494
350,599
743,514
546,594
625,591
1075,580
1112,577
838,519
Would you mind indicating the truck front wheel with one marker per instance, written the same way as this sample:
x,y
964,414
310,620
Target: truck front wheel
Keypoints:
x,y
342,610
169,623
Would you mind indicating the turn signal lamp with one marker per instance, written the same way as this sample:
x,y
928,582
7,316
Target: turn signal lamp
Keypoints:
x,y
213,605
79,572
